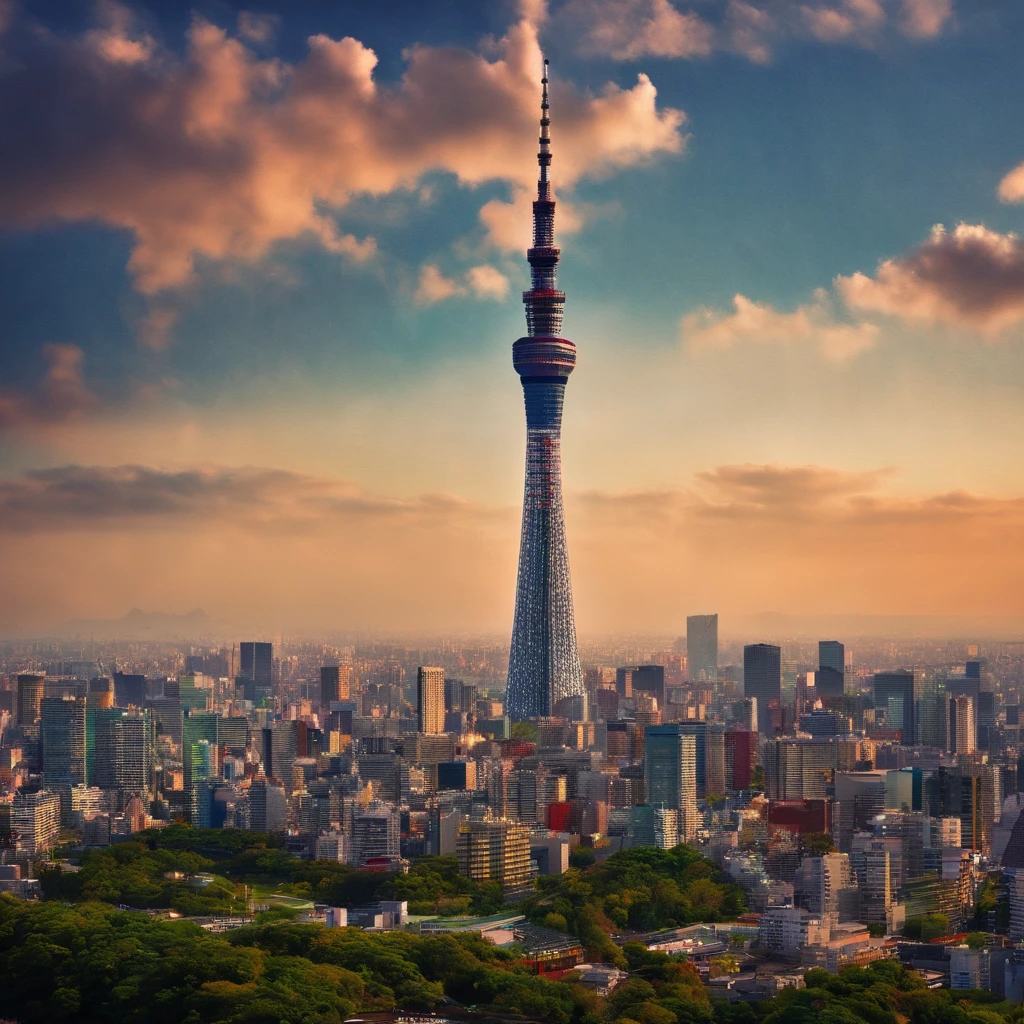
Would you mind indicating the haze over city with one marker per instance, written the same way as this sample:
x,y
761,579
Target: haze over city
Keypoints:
x,y
261,272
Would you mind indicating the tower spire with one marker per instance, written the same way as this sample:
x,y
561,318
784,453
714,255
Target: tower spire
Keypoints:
x,y
544,664
544,156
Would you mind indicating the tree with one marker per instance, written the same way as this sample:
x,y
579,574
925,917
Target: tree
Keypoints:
x,y
526,731
817,844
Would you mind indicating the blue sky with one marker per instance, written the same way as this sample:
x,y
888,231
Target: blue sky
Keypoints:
x,y
774,165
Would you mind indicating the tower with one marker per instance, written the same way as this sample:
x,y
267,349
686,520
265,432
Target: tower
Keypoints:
x,y
544,663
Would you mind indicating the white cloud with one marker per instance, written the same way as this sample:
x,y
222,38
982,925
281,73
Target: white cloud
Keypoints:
x,y
763,324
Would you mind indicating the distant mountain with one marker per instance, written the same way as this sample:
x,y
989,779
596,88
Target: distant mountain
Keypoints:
x,y
140,625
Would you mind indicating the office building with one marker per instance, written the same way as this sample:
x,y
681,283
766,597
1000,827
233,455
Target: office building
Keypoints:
x,y
199,753
129,690
30,696
829,680
375,834
35,822
962,729
762,680
670,773
495,850
702,648
896,695
256,663
62,737
430,700
268,805
335,685
544,662
637,679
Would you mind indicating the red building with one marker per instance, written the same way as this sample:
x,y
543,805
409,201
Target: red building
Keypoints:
x,y
801,816
740,758
560,816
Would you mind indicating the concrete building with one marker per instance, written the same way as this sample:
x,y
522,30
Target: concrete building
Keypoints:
x,y
430,700
495,849
35,821
702,648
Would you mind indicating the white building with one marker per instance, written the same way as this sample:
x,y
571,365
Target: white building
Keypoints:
x,y
789,929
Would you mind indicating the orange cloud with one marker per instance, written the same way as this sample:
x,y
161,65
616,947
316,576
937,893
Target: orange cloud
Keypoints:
x,y
220,154
60,396
631,29
970,276
758,322
741,539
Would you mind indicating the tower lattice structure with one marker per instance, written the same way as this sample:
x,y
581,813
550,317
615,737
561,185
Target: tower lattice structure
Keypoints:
x,y
544,663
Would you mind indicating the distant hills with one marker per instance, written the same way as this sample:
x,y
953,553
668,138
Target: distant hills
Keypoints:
x,y
780,624
140,625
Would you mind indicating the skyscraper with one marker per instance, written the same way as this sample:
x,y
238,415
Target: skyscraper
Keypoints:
x,y
962,725
702,647
829,679
335,684
30,695
896,695
430,699
762,679
256,662
670,773
544,663
62,738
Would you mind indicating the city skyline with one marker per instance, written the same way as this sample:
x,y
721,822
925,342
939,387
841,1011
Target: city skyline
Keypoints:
x,y
788,365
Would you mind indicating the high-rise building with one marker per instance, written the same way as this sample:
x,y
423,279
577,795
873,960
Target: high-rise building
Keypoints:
x,y
544,662
896,695
335,684
699,731
832,654
762,679
430,699
829,679
30,696
268,805
702,648
129,690
375,833
715,778
199,753
62,738
495,850
35,822
670,773
256,663
962,729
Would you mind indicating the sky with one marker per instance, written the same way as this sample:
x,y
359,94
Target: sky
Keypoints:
x,y
260,274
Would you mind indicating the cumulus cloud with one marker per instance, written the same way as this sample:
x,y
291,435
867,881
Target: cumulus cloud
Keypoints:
x,y
60,396
482,282
630,29
756,322
257,28
1011,188
220,154
971,276
926,19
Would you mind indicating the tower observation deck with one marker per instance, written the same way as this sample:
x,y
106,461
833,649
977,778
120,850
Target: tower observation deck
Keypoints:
x,y
544,663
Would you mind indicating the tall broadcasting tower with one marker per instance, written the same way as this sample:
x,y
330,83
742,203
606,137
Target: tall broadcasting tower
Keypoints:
x,y
544,664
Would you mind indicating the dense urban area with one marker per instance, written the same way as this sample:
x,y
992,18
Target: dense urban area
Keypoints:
x,y
289,830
